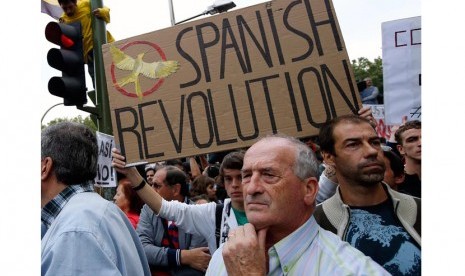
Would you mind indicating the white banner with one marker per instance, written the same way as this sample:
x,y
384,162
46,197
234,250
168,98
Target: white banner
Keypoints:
x,y
106,174
402,69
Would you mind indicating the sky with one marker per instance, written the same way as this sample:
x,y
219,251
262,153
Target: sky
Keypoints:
x,y
24,75
359,20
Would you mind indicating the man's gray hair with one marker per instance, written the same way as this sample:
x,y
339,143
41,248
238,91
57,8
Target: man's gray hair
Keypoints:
x,y
306,164
73,149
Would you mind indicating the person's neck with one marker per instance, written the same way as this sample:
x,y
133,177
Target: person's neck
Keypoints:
x,y
180,198
278,232
413,166
358,195
49,190
238,206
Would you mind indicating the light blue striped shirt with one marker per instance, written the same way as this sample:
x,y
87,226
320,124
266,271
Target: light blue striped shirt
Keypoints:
x,y
310,250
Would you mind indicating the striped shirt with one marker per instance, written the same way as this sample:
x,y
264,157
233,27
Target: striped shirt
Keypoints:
x,y
310,250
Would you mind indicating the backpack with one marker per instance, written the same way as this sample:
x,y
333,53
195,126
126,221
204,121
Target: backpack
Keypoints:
x,y
218,215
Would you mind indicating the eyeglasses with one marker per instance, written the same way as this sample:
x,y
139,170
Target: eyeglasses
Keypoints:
x,y
157,186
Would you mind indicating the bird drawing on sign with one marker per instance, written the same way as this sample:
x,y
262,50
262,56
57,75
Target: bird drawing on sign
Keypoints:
x,y
153,70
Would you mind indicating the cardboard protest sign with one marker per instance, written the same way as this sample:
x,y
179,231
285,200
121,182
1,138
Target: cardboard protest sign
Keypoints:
x,y
106,175
222,82
402,69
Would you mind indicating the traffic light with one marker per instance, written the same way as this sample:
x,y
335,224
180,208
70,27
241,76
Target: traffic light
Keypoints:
x,y
71,86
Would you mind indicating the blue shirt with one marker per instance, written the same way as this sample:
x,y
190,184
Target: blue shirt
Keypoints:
x,y
310,250
84,234
369,95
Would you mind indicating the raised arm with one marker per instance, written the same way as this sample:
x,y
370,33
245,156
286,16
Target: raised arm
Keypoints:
x,y
195,169
145,192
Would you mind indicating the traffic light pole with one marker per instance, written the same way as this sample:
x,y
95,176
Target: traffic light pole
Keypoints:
x,y
100,96
102,103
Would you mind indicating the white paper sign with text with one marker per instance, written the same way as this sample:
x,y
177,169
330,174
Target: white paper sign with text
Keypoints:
x,y
106,174
402,69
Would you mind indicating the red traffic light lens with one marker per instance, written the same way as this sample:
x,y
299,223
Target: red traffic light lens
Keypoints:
x,y
66,41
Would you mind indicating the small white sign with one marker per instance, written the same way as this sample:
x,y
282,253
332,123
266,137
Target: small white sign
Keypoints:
x,y
402,69
106,174
382,128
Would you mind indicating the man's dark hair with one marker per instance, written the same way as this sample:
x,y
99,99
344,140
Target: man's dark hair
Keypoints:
x,y
232,161
74,151
66,2
173,162
174,176
415,124
213,171
326,135
395,162
200,184
150,169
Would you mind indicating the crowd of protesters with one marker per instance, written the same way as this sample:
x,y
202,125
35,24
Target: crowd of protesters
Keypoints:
x,y
249,202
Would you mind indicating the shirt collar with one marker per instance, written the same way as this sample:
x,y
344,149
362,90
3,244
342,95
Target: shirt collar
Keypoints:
x,y
290,249
54,207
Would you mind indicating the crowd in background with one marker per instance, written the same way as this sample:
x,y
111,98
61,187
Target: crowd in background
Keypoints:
x,y
364,190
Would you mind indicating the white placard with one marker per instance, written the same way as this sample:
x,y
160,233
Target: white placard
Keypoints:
x,y
106,174
402,69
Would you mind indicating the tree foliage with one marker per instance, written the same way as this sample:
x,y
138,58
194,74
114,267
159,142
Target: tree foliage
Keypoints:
x,y
363,68
87,121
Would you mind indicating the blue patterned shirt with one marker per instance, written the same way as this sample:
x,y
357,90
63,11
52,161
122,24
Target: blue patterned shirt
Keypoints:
x,y
310,250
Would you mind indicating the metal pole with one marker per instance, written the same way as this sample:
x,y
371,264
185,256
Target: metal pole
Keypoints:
x,y
48,111
103,104
173,21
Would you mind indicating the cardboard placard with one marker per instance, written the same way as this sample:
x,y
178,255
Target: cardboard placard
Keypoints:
x,y
229,79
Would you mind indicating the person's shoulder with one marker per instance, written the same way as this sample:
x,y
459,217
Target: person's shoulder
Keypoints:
x,y
83,3
86,212
404,197
337,253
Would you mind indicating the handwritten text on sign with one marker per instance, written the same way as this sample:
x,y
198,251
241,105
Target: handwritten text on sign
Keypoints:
x,y
402,69
106,176
279,66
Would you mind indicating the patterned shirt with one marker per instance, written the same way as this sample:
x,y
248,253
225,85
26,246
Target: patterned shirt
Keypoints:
x,y
377,232
310,250
54,207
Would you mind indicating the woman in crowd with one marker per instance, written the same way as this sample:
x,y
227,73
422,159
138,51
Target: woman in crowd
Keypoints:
x,y
128,201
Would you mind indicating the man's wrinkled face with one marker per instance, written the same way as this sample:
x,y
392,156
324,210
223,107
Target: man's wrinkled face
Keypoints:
x,y
159,184
273,194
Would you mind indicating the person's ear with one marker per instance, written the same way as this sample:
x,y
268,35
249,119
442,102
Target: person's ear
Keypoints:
x,y
400,148
176,189
46,168
311,190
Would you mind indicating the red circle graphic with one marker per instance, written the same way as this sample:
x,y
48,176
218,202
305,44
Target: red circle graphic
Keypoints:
x,y
157,84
